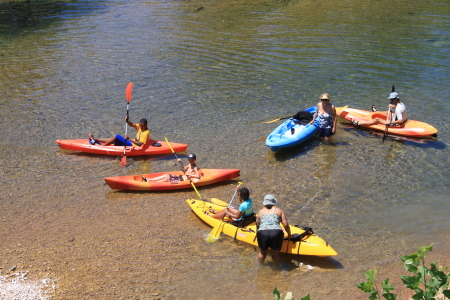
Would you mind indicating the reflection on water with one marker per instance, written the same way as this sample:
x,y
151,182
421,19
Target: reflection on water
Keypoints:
x,y
207,78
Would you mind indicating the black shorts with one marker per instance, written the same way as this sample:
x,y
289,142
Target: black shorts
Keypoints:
x,y
325,132
271,238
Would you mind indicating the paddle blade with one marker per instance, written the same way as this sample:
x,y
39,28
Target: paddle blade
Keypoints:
x,y
219,202
123,161
393,89
214,235
128,91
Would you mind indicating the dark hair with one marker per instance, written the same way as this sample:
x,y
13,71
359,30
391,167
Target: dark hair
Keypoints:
x,y
144,121
244,193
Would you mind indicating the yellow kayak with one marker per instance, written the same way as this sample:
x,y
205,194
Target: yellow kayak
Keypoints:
x,y
308,245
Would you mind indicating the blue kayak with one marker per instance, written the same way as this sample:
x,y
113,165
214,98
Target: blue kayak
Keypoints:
x,y
290,134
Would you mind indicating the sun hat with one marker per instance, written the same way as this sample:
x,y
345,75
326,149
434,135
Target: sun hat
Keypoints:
x,y
324,96
393,95
269,200
192,156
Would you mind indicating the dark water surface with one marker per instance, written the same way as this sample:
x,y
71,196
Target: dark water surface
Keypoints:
x,y
208,78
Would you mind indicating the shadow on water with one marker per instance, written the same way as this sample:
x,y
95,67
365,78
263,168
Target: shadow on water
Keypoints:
x,y
296,151
426,142
17,17
119,195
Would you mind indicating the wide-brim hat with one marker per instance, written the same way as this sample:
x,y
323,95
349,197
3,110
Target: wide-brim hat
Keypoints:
x,y
269,200
324,96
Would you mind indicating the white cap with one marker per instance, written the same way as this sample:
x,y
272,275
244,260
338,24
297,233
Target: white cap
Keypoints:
x,y
393,95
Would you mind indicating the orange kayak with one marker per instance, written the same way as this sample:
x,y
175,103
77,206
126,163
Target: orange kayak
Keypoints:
x,y
83,145
134,182
410,128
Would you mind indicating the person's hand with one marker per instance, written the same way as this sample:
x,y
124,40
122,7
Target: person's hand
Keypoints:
x,y
179,160
334,130
391,106
126,118
126,137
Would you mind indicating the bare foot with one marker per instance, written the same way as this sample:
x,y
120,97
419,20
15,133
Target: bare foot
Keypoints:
x,y
374,108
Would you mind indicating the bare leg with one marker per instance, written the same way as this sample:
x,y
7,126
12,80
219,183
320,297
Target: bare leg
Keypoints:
x,y
221,214
262,255
275,256
162,178
371,122
105,142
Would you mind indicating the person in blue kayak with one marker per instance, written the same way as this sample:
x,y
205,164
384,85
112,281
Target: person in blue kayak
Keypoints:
x,y
327,117
142,136
270,235
396,113
242,216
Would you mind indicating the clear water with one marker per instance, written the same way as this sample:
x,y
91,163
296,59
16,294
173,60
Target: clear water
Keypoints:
x,y
208,78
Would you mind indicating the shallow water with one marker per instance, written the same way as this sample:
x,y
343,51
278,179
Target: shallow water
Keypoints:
x,y
208,78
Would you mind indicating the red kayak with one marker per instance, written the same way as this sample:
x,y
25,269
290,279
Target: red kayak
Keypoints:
x,y
83,145
134,182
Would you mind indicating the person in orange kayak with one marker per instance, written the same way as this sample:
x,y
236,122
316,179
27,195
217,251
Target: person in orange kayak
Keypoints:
x,y
327,117
270,235
190,171
142,136
242,216
396,113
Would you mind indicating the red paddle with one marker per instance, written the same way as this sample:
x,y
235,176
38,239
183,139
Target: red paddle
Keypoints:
x,y
128,92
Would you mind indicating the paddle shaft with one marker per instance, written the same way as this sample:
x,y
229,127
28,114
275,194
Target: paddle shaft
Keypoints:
x,y
387,125
182,168
128,92
277,120
215,232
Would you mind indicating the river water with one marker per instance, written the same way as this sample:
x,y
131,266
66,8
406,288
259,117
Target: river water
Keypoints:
x,y
206,73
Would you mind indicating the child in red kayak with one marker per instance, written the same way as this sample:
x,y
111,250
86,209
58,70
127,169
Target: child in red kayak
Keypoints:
x,y
190,171
142,136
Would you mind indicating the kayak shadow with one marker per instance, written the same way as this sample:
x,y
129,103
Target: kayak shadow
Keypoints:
x,y
291,262
425,142
295,151
120,195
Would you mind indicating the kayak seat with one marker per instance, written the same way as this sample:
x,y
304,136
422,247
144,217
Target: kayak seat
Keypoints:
x,y
378,115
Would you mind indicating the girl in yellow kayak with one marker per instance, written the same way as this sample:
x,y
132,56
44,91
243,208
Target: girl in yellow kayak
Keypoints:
x,y
242,216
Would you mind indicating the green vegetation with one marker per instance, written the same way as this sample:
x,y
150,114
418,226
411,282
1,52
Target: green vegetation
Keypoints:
x,y
278,295
426,281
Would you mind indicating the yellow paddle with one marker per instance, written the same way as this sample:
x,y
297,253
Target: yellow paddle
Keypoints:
x,y
276,120
284,118
182,167
218,202
217,230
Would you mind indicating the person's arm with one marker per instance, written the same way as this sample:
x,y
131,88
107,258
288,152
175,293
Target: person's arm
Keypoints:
x,y
131,124
134,141
285,224
195,173
399,120
333,114
315,114
234,213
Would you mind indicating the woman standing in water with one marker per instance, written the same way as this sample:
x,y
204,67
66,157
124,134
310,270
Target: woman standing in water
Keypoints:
x,y
327,117
270,234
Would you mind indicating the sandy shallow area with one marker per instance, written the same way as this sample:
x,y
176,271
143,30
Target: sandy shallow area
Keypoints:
x,y
151,246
